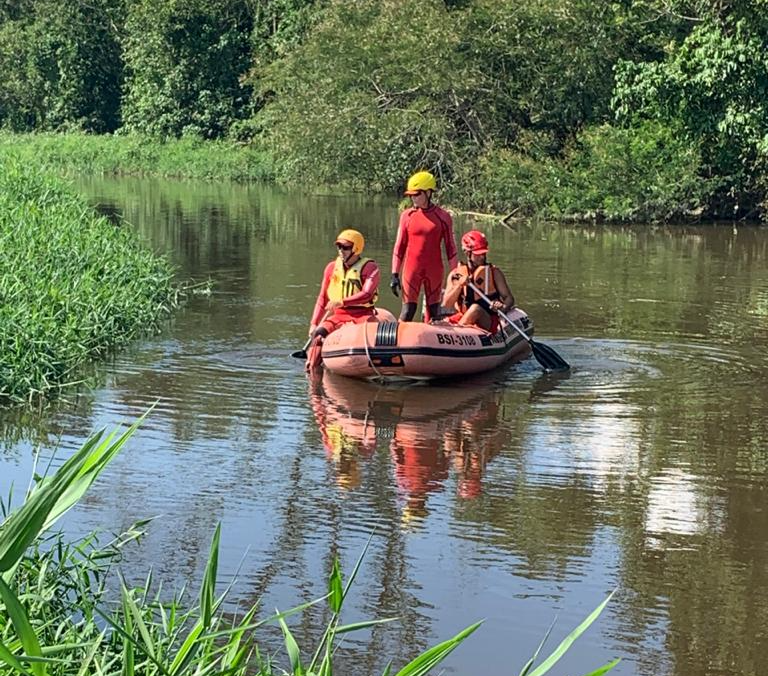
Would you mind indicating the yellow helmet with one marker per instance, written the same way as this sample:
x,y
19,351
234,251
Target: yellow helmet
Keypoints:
x,y
354,238
421,180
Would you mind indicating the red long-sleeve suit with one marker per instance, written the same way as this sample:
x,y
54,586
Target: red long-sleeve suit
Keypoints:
x,y
352,309
417,255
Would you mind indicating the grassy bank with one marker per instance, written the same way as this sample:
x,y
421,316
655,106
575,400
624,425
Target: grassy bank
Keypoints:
x,y
137,156
56,620
638,175
73,286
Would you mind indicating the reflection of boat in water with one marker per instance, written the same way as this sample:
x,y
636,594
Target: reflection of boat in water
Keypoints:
x,y
431,433
414,350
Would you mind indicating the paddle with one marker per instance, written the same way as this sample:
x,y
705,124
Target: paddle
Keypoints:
x,y
302,353
545,355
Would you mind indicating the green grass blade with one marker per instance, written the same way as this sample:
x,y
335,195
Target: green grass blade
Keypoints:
x,y
335,590
529,664
208,588
260,623
605,668
128,650
359,562
566,643
292,648
22,626
9,658
235,652
366,624
94,464
188,649
133,610
84,668
430,658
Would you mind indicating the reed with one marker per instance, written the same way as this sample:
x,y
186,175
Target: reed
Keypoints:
x,y
120,155
73,286
57,620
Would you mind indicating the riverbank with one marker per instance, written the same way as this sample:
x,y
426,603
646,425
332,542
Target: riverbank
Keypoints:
x,y
74,286
648,174
134,155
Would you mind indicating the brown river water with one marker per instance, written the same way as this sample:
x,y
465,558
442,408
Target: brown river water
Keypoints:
x,y
517,498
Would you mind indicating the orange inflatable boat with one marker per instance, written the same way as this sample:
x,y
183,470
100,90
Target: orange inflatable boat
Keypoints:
x,y
385,349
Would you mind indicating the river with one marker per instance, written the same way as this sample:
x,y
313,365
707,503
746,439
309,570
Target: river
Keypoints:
x,y
516,497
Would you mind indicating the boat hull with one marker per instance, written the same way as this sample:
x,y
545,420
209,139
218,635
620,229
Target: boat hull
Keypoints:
x,y
415,350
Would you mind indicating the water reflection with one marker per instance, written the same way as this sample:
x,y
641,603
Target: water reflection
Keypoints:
x,y
431,432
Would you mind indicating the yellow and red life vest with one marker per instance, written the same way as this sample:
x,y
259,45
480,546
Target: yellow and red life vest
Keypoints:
x,y
346,282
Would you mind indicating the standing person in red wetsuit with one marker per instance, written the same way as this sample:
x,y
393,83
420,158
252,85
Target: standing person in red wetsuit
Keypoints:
x,y
348,292
470,308
417,259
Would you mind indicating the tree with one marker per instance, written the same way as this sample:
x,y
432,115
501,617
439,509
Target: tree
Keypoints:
x,y
184,63
60,65
713,84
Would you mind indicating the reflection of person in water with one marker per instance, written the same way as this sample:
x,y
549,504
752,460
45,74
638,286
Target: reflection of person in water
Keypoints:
x,y
431,429
345,437
472,443
420,466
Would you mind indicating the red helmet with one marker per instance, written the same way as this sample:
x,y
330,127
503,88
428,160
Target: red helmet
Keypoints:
x,y
474,242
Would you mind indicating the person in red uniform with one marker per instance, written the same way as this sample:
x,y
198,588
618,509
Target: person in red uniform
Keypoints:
x,y
417,259
470,307
348,292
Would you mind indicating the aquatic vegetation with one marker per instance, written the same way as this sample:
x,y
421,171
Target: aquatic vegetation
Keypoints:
x,y
134,155
73,286
56,618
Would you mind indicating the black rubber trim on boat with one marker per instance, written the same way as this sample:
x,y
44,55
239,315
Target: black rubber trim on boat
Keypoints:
x,y
386,334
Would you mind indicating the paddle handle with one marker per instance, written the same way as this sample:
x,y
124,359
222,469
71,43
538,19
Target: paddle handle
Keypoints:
x,y
499,312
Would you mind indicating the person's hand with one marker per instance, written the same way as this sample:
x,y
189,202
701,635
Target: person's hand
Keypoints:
x,y
333,305
459,279
312,329
497,306
394,284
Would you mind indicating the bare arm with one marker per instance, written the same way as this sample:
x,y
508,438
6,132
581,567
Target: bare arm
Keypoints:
x,y
454,285
507,300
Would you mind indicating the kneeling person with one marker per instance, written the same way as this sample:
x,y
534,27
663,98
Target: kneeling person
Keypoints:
x,y
470,308
348,292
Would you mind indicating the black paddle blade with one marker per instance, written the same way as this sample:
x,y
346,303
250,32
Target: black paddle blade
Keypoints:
x,y
299,354
548,358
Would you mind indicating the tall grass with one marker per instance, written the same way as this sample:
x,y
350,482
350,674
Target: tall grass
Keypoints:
x,y
187,157
55,619
73,287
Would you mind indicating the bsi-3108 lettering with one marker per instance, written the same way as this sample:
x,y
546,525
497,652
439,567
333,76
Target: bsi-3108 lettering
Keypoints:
x,y
450,339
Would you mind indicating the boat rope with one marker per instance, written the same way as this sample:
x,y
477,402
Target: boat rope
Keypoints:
x,y
368,351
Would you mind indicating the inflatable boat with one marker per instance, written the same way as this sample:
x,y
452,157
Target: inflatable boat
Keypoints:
x,y
390,350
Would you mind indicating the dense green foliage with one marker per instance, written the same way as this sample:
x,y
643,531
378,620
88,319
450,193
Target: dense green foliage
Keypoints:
x,y
60,65
188,157
713,86
478,91
73,285
184,60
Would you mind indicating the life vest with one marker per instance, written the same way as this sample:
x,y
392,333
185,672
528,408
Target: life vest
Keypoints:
x,y
346,282
482,278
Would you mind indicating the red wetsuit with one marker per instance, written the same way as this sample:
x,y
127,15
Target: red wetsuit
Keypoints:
x,y
352,309
418,252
